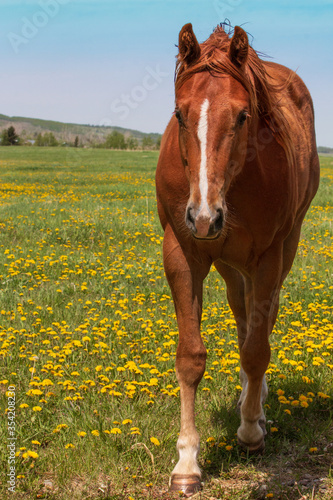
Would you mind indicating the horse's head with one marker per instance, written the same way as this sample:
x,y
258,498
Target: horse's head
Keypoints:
x,y
212,108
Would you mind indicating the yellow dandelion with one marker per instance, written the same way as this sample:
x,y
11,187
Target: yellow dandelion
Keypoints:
x,y
81,434
35,392
155,441
323,395
95,433
36,408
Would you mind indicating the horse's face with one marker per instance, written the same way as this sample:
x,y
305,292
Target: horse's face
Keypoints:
x,y
213,115
212,133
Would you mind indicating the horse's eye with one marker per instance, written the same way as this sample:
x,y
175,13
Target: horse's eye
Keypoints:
x,y
242,118
179,116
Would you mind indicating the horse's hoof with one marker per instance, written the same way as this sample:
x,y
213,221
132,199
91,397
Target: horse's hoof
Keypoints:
x,y
253,448
188,484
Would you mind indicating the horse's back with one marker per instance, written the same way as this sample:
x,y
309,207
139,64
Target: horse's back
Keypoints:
x,y
295,99
297,105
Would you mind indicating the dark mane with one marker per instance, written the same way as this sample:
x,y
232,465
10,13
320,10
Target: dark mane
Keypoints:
x,y
264,94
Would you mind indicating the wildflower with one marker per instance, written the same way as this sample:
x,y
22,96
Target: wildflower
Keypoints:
x,y
35,392
81,434
323,395
95,433
155,441
115,430
37,408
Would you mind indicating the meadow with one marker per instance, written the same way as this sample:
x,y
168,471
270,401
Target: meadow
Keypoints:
x,y
88,337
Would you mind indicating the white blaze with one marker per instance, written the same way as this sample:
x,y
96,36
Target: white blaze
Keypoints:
x,y
202,135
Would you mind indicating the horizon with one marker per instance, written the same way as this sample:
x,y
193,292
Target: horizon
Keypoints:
x,y
109,126
112,63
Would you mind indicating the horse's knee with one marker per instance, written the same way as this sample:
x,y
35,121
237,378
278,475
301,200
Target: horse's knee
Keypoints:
x,y
255,359
191,365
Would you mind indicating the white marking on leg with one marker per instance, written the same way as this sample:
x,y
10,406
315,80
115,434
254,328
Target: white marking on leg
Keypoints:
x,y
203,179
244,382
188,451
251,432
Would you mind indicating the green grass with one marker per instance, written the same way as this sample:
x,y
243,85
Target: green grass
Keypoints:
x,y
85,308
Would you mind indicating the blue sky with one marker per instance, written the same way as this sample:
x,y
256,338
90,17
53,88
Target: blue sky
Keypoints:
x,y
112,61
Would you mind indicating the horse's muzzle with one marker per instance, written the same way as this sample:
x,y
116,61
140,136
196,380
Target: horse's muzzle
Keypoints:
x,y
204,225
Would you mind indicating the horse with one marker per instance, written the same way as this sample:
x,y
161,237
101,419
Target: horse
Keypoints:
x,y
237,170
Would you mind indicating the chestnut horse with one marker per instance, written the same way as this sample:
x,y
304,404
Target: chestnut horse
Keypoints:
x,y
237,171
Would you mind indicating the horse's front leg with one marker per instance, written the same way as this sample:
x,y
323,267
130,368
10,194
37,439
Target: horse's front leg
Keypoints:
x,y
185,278
262,297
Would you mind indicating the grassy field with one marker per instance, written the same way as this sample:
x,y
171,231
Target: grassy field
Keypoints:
x,y
88,338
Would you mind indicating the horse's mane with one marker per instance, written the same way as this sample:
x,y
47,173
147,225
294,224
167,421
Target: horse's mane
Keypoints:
x,y
264,94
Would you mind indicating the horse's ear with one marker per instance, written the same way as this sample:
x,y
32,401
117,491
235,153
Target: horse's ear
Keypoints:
x,y
189,48
239,47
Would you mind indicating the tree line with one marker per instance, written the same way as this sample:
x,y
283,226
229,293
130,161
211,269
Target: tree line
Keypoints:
x,y
115,140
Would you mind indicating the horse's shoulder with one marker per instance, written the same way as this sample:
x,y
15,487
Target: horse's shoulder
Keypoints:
x,y
292,85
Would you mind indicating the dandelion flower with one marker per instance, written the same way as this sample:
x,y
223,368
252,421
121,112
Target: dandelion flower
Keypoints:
x,y
155,441
115,430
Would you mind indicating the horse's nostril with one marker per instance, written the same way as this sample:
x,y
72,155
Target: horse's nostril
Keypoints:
x,y
190,221
218,222
190,216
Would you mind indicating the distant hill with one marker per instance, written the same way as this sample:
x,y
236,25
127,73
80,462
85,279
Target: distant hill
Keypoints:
x,y
324,150
29,128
